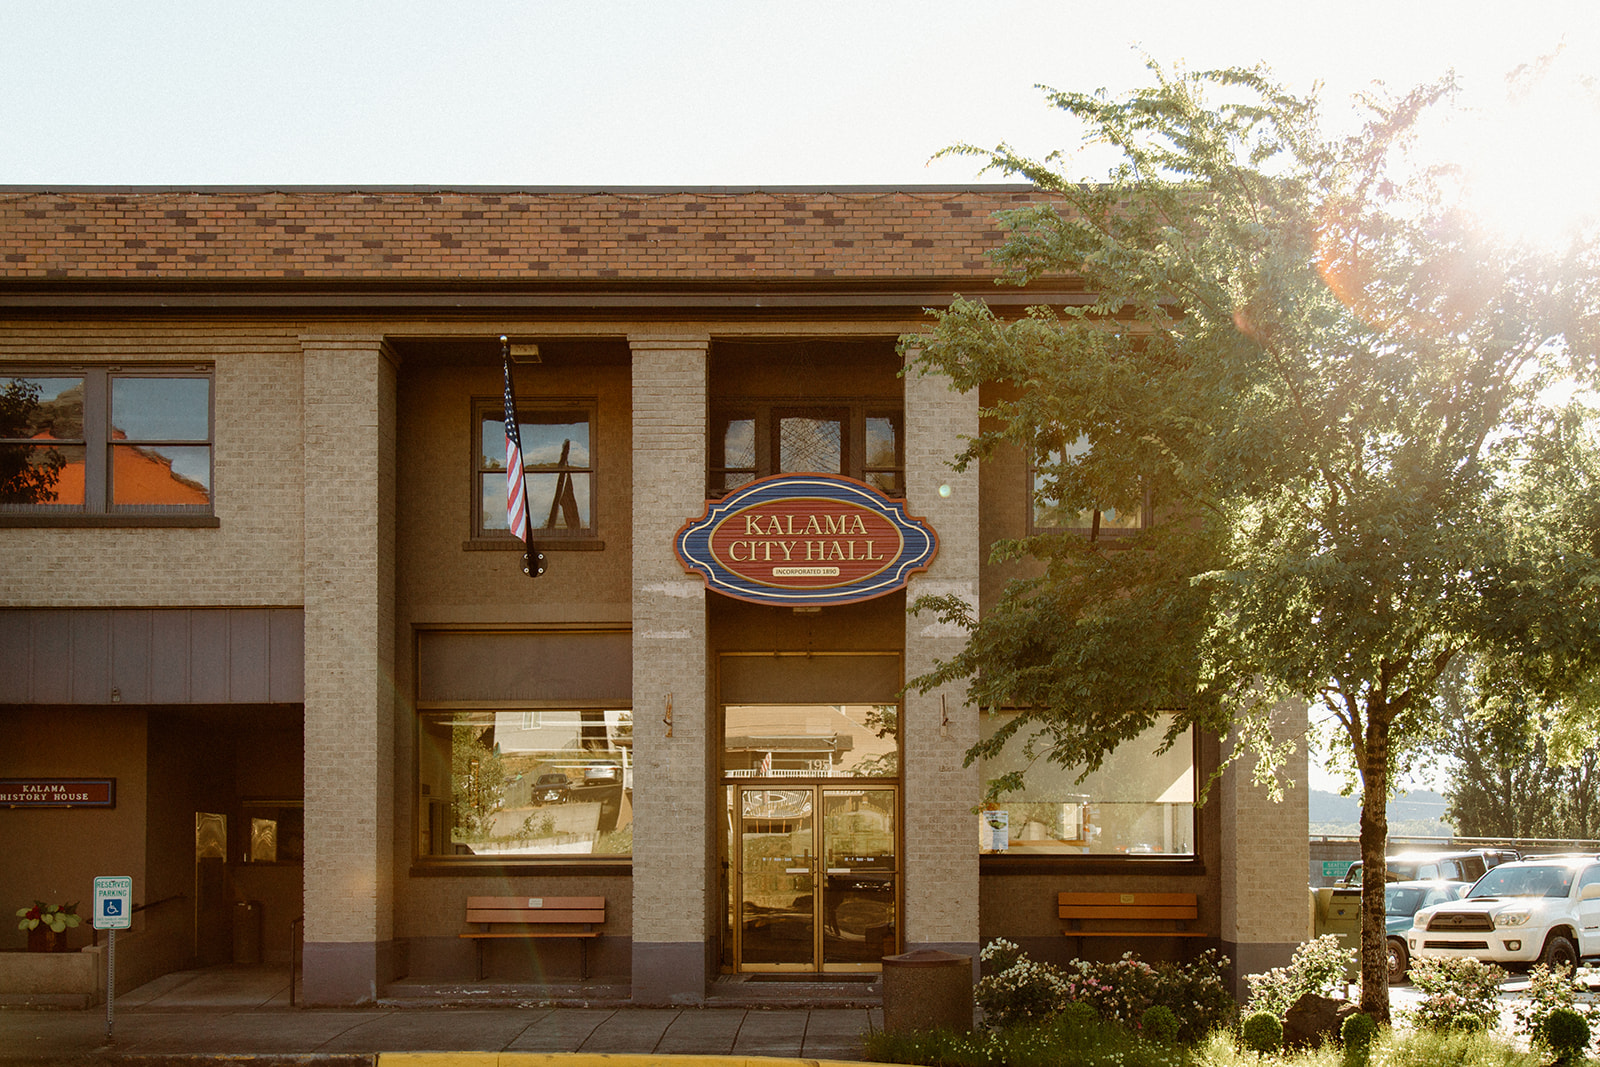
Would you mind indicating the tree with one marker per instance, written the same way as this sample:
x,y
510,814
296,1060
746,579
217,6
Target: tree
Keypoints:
x,y
1510,775
1332,386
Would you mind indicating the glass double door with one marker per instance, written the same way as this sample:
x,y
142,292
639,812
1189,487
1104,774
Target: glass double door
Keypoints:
x,y
815,876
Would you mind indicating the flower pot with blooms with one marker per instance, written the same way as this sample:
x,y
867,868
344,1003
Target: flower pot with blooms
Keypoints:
x,y
47,925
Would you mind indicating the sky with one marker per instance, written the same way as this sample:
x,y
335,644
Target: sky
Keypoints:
x,y
660,92
598,94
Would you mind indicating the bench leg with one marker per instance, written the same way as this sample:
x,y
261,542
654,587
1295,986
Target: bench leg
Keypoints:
x,y
479,944
583,959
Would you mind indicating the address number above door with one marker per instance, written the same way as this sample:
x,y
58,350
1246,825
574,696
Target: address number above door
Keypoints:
x,y
806,540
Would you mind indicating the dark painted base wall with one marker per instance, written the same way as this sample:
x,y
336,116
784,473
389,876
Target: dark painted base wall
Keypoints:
x,y
671,973
339,974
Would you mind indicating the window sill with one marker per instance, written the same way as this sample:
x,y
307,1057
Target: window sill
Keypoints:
x,y
104,521
477,868
511,544
1000,864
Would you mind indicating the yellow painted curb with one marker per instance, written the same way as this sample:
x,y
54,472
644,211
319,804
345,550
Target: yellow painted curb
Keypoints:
x,y
592,1059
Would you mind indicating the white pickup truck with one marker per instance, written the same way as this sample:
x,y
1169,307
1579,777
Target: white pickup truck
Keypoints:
x,y
1518,914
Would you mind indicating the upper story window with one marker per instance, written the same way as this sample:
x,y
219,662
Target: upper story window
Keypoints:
x,y
755,439
106,441
1050,515
557,463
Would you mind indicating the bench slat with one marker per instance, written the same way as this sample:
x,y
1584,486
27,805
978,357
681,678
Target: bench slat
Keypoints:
x,y
1189,899
557,903
1133,933
524,916
1190,912
528,934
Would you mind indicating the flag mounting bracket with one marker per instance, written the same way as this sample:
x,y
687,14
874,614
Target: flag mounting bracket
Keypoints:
x,y
533,564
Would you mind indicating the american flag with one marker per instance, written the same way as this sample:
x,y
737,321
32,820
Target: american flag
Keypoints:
x,y
516,488
766,765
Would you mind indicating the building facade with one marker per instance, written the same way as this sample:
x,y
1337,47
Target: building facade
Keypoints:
x,y
260,603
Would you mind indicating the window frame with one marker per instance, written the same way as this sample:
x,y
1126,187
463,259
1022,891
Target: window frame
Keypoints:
x,y
479,536
766,414
97,509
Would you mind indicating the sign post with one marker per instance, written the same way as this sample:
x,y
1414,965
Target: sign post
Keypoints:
x,y
113,911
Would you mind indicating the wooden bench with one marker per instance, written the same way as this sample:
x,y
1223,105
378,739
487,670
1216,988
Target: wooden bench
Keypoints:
x,y
530,918
1129,914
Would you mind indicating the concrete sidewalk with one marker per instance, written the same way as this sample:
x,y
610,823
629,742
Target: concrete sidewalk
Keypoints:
x,y
238,1013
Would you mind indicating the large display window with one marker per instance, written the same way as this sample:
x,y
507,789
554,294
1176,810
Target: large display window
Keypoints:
x,y
552,782
1140,802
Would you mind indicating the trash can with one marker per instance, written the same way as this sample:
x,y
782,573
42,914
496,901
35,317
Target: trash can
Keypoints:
x,y
247,917
927,990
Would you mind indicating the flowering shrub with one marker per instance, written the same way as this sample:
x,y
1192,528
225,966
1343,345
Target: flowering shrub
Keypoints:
x,y
1457,993
1318,966
1017,989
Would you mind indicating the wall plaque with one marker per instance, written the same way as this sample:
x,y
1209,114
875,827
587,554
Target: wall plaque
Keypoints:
x,y
58,792
806,540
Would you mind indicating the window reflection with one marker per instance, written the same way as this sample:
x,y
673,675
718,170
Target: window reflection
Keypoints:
x,y
514,784
558,470
810,740
35,410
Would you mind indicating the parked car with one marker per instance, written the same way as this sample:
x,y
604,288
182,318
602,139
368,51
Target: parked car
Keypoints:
x,y
1401,902
602,773
1465,866
552,789
1530,911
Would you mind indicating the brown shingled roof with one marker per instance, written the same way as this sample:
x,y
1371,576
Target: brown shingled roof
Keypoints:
x,y
489,235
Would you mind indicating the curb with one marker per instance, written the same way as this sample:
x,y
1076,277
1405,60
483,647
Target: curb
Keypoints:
x,y
585,1059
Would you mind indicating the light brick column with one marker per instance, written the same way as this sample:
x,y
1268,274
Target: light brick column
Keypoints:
x,y
941,837
1266,854
674,848
349,636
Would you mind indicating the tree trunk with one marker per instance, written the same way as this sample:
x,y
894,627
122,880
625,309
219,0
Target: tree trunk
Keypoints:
x,y
1374,872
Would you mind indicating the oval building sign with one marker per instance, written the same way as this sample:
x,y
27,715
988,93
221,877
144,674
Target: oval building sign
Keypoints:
x,y
806,540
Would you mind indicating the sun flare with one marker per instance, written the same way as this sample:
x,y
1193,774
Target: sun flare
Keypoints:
x,y
1527,155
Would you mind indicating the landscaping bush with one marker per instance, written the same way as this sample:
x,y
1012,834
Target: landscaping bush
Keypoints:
x,y
1458,994
1565,1033
1159,1024
1262,1032
1356,1034
1318,966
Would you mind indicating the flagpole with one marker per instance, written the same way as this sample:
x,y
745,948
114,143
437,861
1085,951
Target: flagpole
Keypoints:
x,y
517,518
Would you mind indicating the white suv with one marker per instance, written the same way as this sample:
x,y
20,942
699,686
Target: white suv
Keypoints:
x,y
1532,911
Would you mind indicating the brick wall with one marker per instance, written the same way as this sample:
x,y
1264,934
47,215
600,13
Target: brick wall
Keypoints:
x,y
673,846
941,862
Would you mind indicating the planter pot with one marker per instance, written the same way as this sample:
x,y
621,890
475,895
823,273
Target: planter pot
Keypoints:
x,y
44,939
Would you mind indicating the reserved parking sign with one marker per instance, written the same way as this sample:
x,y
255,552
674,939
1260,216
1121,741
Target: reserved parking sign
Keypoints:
x,y
113,902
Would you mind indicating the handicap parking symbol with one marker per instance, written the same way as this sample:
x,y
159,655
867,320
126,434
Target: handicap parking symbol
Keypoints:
x,y
112,906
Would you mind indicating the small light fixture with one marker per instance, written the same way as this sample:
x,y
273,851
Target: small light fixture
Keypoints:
x,y
525,353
